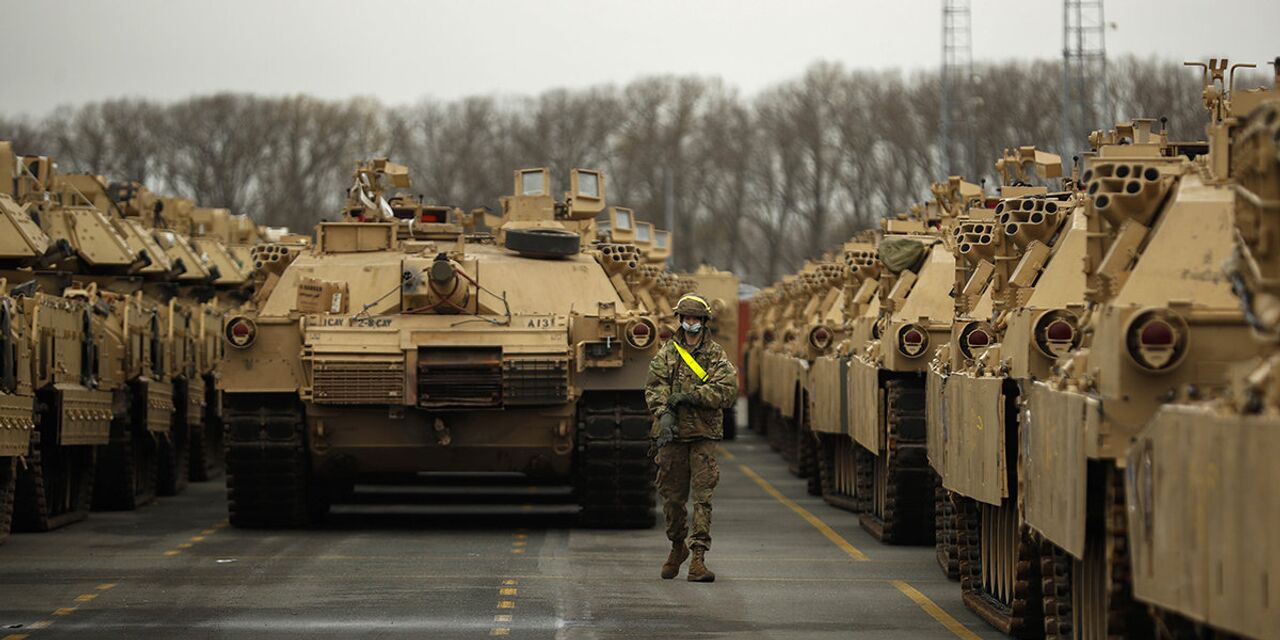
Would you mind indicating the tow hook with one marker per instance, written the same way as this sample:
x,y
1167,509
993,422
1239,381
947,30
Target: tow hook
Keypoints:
x,y
443,437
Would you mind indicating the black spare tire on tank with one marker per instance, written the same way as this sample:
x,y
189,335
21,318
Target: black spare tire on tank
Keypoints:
x,y
542,243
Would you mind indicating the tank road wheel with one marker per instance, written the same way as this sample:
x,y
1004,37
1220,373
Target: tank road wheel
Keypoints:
x,y
838,466
8,484
945,532
127,464
1092,598
615,475
807,453
268,469
902,482
56,488
999,572
206,438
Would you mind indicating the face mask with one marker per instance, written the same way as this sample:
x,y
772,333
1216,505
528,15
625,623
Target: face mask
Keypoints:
x,y
691,327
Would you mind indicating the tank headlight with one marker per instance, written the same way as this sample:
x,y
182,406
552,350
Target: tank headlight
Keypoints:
x,y
913,340
769,336
820,337
241,332
1157,339
975,337
1056,334
640,333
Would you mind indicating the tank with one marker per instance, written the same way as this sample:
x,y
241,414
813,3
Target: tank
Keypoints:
x,y
21,240
1200,483
1161,325
69,374
886,378
835,343
1018,292
128,291
404,342
721,288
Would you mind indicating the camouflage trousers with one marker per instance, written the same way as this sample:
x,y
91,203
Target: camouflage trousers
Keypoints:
x,y
687,471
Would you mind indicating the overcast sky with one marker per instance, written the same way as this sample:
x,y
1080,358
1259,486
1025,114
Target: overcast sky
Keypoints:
x,y
71,51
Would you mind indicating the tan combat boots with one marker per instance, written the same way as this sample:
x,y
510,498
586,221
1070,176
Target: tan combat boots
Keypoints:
x,y
698,571
671,568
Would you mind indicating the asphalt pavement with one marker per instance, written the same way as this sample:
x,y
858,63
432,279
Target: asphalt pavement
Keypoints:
x,y
467,561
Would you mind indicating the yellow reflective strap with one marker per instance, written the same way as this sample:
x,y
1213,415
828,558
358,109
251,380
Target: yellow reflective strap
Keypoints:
x,y
693,364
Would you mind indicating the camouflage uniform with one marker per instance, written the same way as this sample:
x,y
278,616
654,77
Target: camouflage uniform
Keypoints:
x,y
687,467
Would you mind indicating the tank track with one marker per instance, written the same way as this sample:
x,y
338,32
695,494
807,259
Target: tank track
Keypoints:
x,y
206,440
56,488
1108,527
756,415
945,531
175,450
8,484
807,453
905,510
836,463
127,467
730,425
615,475
268,468
1015,607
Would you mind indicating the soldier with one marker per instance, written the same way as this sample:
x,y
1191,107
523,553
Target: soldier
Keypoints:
x,y
691,383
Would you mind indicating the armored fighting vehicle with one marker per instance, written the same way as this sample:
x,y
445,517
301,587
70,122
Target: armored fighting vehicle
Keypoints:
x,y
1161,325
71,376
403,342
886,383
834,344
1018,291
721,288
1201,486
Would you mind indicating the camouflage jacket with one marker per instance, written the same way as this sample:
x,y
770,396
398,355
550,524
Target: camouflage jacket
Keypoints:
x,y
669,374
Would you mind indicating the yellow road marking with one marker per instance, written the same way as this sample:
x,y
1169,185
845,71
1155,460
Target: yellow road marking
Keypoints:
x,y
86,597
506,604
39,624
171,553
817,523
521,536
519,543
517,551
508,591
935,611
206,532
725,453
499,631
197,538
15,636
64,611
104,586
510,583
185,545
502,617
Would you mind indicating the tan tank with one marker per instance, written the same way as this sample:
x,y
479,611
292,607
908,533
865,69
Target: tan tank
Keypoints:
x,y
1201,485
1161,325
886,378
70,374
1018,290
721,288
828,392
405,342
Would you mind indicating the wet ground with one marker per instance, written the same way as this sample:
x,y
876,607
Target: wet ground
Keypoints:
x,y
468,562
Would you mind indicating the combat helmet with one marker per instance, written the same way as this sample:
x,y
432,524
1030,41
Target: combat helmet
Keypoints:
x,y
694,305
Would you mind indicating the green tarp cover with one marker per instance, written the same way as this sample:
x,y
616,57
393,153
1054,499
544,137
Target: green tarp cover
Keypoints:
x,y
900,254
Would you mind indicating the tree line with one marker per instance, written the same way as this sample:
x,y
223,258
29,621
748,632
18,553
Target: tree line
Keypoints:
x,y
755,183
